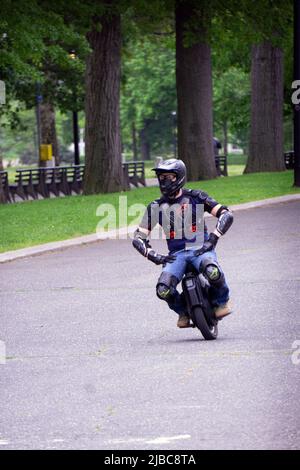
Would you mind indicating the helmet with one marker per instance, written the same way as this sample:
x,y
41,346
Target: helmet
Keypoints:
x,y
169,188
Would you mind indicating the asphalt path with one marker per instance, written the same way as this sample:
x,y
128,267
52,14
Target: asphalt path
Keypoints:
x,y
95,360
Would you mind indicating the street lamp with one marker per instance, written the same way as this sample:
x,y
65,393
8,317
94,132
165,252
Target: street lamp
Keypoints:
x,y
72,56
174,122
38,99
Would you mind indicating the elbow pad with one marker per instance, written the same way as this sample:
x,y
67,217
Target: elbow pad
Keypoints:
x,y
140,242
224,222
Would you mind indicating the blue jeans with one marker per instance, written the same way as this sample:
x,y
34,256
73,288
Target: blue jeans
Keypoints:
x,y
218,294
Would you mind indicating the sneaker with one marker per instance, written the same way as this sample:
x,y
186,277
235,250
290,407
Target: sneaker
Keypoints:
x,y
223,310
183,321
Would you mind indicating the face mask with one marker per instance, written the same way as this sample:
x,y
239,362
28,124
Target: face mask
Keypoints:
x,y
166,186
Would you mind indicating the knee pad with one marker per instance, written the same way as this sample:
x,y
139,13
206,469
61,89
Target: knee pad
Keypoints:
x,y
166,286
212,271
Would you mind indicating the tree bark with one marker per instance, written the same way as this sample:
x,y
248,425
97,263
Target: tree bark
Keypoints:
x,y
225,135
48,130
2,197
194,92
266,131
103,170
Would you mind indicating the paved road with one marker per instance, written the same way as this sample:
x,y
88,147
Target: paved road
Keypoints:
x,y
95,359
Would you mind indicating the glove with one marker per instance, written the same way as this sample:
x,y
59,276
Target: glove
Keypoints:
x,y
209,245
156,258
141,245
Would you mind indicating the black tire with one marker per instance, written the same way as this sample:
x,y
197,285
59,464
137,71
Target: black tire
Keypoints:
x,y
208,332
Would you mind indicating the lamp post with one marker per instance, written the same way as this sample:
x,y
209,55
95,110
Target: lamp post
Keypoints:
x,y
297,106
174,122
38,99
72,55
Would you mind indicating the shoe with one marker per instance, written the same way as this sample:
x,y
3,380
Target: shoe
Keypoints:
x,y
223,310
183,321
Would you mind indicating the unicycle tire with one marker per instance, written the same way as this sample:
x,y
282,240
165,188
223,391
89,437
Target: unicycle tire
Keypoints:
x,y
209,332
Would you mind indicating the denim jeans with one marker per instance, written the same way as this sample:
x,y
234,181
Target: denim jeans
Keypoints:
x,y
218,294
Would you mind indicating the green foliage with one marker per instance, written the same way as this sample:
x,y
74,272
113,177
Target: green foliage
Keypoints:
x,y
255,21
231,103
35,42
149,89
37,36
20,142
237,25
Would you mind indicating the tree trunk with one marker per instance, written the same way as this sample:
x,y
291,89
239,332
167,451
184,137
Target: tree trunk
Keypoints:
x,y
103,171
225,135
266,132
48,130
145,144
2,196
134,142
194,92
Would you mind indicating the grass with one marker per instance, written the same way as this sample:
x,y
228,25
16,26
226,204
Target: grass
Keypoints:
x,y
34,222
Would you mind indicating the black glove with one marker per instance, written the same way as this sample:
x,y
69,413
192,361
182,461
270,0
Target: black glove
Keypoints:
x,y
141,245
156,258
209,245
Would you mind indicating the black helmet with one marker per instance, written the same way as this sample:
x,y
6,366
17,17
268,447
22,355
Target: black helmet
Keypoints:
x,y
169,188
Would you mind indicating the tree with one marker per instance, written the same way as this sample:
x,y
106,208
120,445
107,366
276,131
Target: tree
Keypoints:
x,y
48,130
264,25
35,43
266,132
194,89
103,171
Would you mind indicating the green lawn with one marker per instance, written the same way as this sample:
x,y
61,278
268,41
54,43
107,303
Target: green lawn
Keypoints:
x,y
33,222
